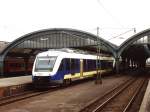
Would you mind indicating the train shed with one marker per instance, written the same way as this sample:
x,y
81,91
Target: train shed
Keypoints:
x,y
135,51
24,49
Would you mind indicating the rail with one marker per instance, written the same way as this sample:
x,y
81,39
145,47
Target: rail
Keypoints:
x,y
131,87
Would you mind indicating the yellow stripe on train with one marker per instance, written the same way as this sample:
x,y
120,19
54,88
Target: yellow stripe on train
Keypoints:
x,y
85,74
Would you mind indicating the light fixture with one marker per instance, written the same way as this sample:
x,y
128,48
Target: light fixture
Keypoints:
x,y
43,39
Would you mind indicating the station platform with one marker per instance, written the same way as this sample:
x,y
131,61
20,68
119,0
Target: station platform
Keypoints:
x,y
145,106
14,85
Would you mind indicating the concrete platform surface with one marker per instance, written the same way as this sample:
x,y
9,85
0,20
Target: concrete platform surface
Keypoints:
x,y
5,82
14,85
145,106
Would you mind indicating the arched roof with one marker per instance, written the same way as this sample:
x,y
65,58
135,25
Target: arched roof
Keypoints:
x,y
80,38
132,39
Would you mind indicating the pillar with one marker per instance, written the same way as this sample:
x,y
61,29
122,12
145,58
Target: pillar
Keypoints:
x,y
117,65
1,66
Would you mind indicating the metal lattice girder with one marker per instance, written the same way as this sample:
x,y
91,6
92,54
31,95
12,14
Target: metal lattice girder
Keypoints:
x,y
132,40
57,38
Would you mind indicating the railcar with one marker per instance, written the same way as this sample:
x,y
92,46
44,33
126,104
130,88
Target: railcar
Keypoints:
x,y
14,66
59,66
17,66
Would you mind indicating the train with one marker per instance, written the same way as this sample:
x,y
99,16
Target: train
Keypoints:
x,y
16,66
57,67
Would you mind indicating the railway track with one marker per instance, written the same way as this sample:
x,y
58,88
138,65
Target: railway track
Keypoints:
x,y
29,94
118,99
34,93
23,96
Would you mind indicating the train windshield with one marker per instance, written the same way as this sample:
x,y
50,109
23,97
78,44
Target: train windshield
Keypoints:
x,y
45,64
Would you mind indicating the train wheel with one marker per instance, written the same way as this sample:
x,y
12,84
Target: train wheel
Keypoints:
x,y
67,82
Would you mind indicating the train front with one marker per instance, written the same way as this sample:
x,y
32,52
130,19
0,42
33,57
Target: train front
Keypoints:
x,y
44,70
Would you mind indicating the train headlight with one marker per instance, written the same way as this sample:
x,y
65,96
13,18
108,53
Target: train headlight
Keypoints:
x,y
39,74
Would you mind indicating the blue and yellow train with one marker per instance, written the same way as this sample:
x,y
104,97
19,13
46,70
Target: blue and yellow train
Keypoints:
x,y
61,66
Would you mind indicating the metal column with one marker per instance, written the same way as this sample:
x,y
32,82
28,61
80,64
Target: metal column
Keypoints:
x,y
98,63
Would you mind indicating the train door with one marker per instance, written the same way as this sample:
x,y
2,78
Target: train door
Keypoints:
x,y
81,67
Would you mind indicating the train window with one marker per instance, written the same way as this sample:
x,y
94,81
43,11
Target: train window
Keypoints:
x,y
94,64
90,64
106,64
68,64
45,64
77,66
61,67
86,62
73,64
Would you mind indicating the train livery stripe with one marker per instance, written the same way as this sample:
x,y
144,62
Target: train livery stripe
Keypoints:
x,y
85,74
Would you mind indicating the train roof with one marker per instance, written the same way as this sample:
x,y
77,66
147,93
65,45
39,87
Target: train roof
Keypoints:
x,y
70,54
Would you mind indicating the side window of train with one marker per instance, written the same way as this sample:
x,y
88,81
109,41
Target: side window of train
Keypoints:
x,y
67,64
77,64
73,64
61,67
94,64
91,64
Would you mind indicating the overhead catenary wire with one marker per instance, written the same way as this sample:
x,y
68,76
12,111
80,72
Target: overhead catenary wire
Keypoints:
x,y
115,20
110,14
133,29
